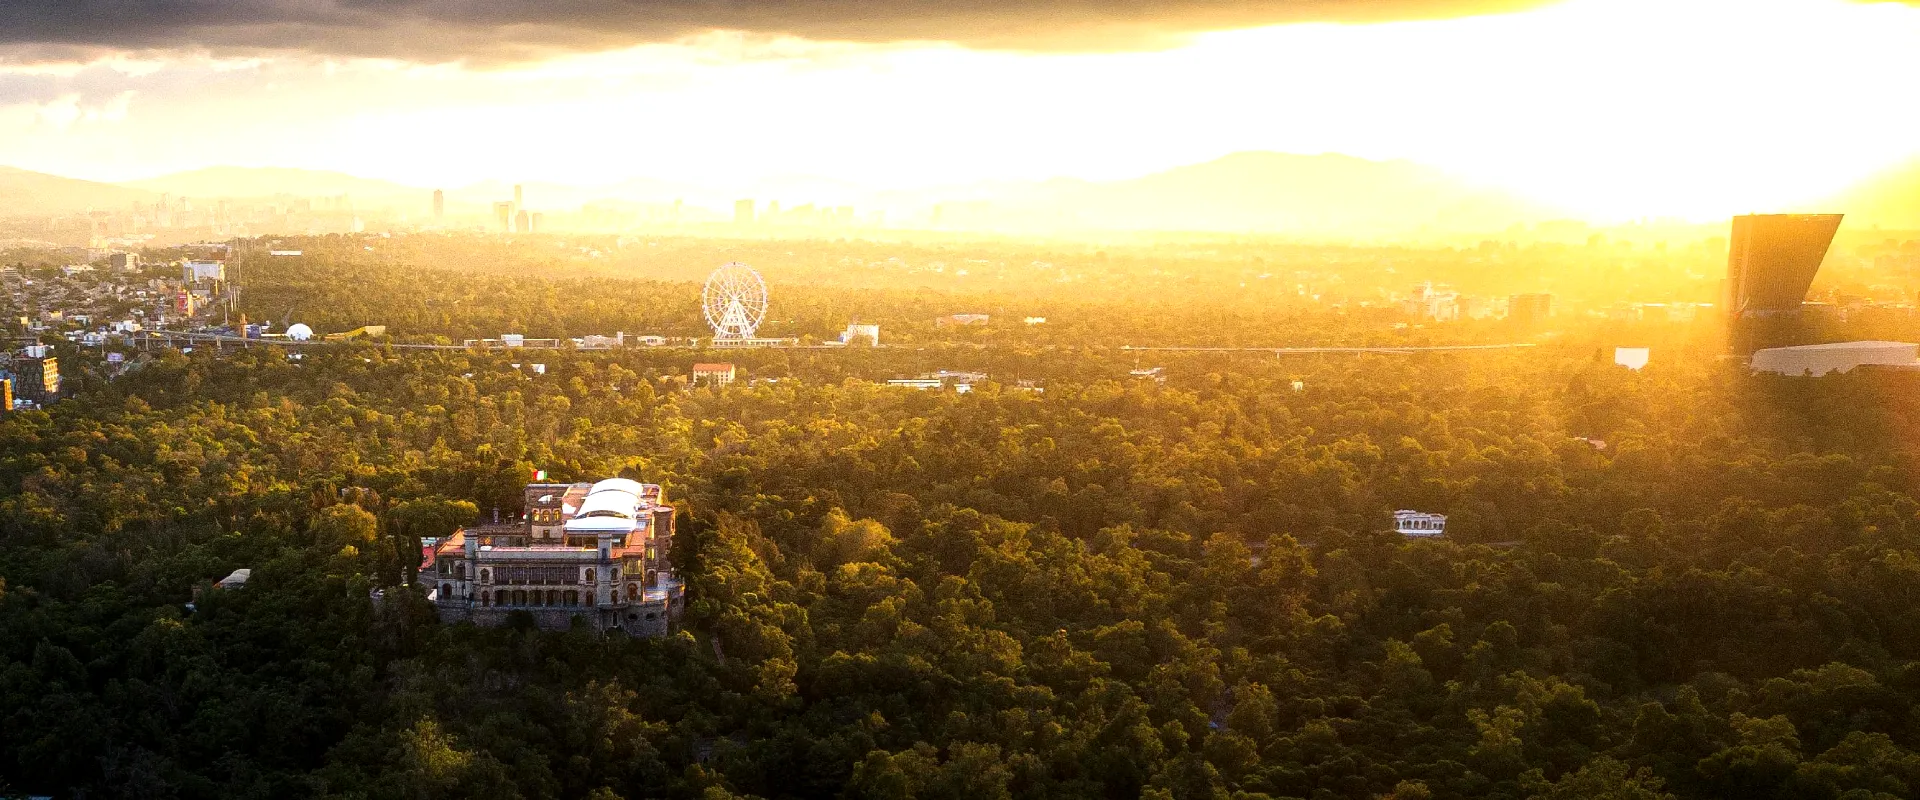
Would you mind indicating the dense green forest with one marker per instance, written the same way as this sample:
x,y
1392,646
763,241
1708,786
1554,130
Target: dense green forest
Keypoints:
x,y
1679,582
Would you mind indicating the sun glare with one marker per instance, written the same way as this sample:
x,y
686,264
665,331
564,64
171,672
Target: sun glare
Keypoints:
x,y
1606,109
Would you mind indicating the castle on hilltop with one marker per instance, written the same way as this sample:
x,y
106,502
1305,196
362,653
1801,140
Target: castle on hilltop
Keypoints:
x,y
596,552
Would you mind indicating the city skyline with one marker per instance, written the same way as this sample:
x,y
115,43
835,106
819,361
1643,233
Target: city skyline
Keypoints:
x,y
1613,110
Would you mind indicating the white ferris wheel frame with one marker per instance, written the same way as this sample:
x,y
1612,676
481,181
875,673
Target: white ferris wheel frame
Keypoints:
x,y
734,301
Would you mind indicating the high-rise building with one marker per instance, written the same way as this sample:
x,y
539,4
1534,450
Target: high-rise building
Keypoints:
x,y
39,378
1771,261
503,216
439,205
1529,309
519,197
743,212
522,222
536,222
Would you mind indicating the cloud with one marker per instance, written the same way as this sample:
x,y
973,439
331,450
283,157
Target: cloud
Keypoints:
x,y
63,112
507,31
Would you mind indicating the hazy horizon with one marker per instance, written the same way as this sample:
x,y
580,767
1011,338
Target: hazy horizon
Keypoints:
x,y
1611,110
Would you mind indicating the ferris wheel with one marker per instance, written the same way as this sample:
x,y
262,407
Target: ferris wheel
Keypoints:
x,y
735,301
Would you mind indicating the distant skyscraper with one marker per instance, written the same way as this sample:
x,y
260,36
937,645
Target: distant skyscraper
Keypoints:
x,y
1771,261
1529,309
439,204
519,197
743,212
522,222
536,222
503,216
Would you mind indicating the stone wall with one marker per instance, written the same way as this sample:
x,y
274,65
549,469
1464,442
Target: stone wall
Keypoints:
x,y
638,619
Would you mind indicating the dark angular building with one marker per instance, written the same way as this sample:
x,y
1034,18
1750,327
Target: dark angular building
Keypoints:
x,y
1771,261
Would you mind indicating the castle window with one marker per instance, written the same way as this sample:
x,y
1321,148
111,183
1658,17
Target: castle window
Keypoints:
x,y
486,576
446,591
589,575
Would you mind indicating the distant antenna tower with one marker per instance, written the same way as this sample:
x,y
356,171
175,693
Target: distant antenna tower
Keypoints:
x,y
734,300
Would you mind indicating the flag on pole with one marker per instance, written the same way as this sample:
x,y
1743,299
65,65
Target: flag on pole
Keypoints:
x,y
539,474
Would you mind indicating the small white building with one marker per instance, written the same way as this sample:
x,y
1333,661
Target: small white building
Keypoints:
x,y
1816,360
1437,303
236,580
1419,524
1632,358
862,332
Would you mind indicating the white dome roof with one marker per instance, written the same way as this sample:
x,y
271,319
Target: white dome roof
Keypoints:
x,y
611,505
299,332
625,485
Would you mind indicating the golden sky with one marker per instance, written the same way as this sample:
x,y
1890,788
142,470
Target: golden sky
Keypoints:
x,y
1612,108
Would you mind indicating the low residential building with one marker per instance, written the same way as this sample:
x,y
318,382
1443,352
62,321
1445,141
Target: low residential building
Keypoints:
x,y
952,320
1437,303
1815,360
713,374
861,333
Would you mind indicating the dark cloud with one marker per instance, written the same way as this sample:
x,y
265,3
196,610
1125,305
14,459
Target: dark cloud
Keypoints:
x,y
519,30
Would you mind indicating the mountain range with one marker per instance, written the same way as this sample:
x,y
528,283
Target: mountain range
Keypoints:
x,y
24,193
1252,191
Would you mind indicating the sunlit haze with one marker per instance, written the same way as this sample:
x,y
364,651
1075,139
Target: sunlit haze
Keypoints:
x,y
1609,108
960,399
